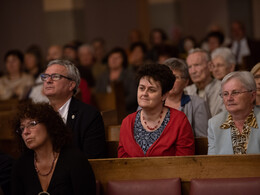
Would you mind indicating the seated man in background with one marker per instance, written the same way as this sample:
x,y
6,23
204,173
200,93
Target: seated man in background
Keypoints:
x,y
195,108
204,86
237,130
61,80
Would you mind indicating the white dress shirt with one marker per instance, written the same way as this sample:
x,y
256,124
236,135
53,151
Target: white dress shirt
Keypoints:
x,y
64,111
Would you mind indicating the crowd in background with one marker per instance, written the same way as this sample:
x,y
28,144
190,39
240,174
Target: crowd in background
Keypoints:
x,y
172,88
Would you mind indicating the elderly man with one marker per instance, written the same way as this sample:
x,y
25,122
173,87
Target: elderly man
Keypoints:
x,y
204,85
237,130
61,81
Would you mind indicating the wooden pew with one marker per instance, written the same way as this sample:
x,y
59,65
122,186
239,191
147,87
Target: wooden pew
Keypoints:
x,y
187,168
112,101
7,105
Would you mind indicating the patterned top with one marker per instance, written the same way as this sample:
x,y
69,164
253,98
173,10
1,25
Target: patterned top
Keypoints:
x,y
240,140
145,138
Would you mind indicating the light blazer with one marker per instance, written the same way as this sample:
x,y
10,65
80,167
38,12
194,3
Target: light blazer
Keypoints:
x,y
219,140
88,128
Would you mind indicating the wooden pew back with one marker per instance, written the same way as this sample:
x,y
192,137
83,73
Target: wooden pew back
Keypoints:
x,y
187,168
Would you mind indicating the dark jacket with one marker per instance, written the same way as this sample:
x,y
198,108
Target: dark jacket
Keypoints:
x,y
88,129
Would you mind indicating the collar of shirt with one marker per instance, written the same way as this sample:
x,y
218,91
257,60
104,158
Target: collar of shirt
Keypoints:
x,y
64,111
250,121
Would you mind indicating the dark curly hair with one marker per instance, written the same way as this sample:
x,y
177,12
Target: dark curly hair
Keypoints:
x,y
157,72
43,112
122,52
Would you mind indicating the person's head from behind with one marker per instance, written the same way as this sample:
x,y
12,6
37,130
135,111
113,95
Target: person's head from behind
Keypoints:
x,y
223,62
54,52
256,73
61,79
86,55
37,125
154,83
117,59
14,62
238,90
199,64
215,39
180,70
33,59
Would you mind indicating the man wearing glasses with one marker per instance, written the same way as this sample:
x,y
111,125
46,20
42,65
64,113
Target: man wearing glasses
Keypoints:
x,y
236,131
61,80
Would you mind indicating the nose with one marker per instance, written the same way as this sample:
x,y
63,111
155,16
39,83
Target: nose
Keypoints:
x,y
230,97
49,80
192,70
26,131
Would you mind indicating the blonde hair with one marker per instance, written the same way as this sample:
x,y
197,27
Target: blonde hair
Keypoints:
x,y
255,68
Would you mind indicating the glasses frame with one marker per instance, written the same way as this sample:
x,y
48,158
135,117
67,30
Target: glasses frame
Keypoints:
x,y
233,93
29,126
52,76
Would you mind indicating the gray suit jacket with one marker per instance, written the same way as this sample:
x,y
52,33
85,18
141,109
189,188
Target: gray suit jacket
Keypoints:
x,y
220,139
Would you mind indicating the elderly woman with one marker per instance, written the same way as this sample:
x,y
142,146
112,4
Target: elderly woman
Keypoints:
x,y
155,130
15,83
195,108
256,72
49,165
223,62
237,130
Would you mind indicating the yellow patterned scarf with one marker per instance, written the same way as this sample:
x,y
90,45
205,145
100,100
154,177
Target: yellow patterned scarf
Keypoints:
x,y
240,140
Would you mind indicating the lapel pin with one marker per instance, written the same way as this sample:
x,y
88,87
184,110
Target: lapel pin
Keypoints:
x,y
73,116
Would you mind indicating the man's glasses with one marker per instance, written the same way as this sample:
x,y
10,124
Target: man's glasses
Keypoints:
x,y
29,126
225,94
54,77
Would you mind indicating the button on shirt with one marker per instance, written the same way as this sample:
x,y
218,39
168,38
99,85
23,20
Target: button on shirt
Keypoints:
x,y
64,111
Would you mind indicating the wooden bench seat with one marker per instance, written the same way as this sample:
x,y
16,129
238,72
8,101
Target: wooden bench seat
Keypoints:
x,y
186,168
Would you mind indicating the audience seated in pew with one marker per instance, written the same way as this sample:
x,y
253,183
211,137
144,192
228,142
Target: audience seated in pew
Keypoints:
x,y
61,80
256,73
195,108
223,62
204,86
236,131
117,71
15,83
155,130
49,164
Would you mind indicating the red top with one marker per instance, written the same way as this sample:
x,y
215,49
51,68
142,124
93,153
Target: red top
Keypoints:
x,y
176,139
85,91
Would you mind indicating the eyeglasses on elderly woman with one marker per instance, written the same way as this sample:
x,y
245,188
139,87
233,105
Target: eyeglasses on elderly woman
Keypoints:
x,y
234,93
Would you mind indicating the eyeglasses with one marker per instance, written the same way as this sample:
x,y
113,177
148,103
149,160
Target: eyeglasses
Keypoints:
x,y
257,76
54,77
179,77
218,65
225,94
29,126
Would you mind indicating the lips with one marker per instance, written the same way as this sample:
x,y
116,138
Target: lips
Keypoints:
x,y
28,140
